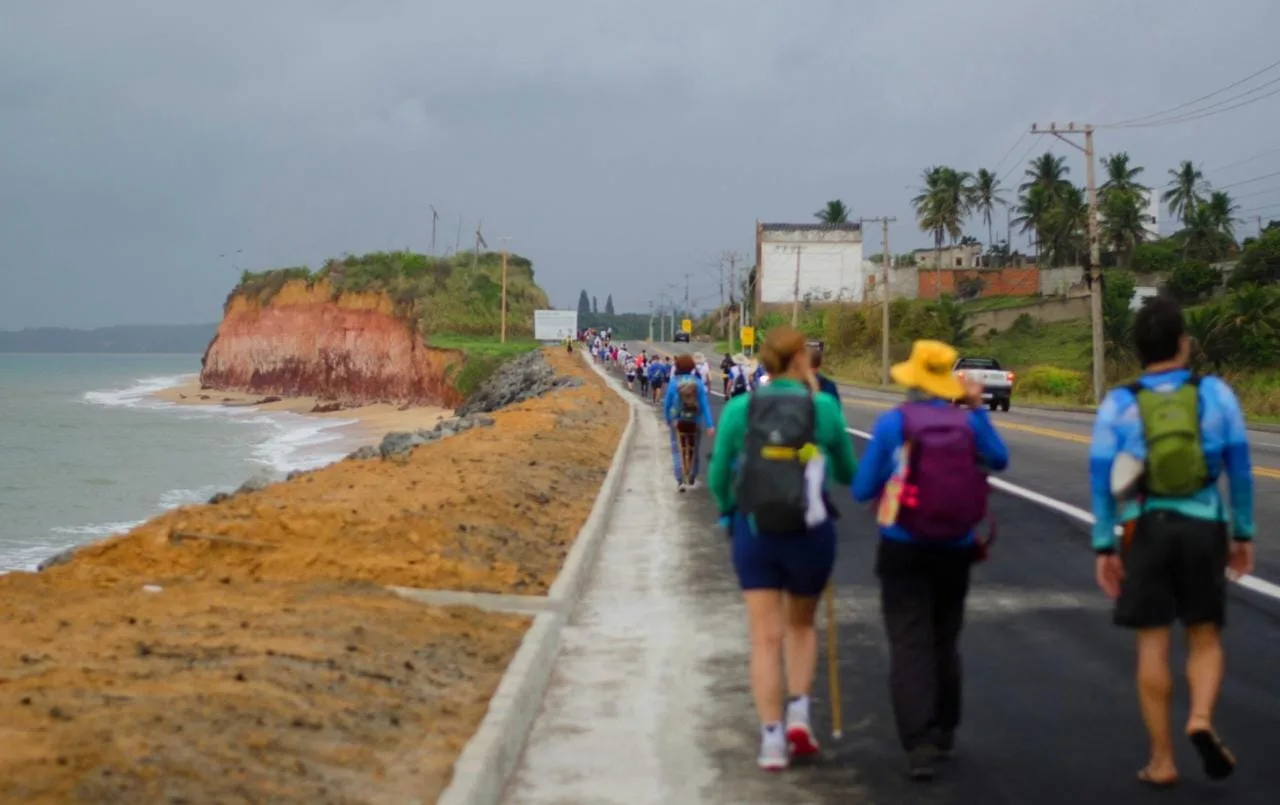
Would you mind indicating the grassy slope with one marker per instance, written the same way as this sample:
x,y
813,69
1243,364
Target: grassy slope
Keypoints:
x,y
452,303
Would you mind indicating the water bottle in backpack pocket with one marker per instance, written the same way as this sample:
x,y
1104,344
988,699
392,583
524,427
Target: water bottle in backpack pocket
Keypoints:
x,y
771,488
943,495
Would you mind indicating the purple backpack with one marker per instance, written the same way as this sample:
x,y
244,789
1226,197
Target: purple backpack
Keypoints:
x,y
944,496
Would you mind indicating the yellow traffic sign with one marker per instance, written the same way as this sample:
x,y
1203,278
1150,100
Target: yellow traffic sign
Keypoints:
x,y
748,336
686,325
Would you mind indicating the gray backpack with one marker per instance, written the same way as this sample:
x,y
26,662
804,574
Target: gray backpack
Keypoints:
x,y
770,487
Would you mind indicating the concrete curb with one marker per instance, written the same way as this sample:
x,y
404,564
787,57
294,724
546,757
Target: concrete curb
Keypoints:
x,y
481,772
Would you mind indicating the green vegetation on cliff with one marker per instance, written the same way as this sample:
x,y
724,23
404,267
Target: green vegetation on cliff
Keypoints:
x,y
435,294
453,302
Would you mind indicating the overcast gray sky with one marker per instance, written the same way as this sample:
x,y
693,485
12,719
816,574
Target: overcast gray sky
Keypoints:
x,y
618,144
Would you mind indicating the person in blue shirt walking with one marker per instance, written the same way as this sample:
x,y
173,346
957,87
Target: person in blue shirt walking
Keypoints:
x,y
687,409
927,465
1159,447
825,384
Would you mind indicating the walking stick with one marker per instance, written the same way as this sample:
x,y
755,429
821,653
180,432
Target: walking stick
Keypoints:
x,y
833,665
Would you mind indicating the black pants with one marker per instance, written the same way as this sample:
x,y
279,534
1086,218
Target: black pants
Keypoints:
x,y
922,596
1175,568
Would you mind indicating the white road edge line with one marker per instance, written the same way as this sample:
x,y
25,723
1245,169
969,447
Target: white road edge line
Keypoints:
x,y
1257,585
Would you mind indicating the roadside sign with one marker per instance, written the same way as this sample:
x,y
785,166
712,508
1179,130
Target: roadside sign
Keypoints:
x,y
748,336
555,325
686,326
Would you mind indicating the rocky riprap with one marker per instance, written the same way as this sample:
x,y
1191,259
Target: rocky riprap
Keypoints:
x,y
400,442
522,379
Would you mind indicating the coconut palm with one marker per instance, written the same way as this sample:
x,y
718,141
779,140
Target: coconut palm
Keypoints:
x,y
941,208
986,195
1033,206
834,213
1047,171
1186,191
1064,225
1207,325
1122,177
1123,222
1222,211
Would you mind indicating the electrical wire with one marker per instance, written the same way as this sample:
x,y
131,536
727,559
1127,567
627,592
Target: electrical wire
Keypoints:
x,y
1250,181
1194,101
1019,163
1203,113
996,167
1245,161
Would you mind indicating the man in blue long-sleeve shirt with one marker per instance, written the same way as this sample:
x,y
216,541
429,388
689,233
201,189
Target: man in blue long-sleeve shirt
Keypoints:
x,y
926,465
687,418
1161,445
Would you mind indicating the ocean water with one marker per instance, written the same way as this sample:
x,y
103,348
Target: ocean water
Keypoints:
x,y
86,452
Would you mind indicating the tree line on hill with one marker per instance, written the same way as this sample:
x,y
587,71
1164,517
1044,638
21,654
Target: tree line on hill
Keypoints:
x,y
624,325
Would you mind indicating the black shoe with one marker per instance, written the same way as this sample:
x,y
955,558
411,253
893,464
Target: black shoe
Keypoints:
x,y
920,763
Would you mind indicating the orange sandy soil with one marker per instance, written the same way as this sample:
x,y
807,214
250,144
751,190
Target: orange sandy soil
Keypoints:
x,y
284,673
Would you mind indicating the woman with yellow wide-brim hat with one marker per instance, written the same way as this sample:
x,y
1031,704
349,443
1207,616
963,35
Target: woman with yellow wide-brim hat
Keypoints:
x,y
926,465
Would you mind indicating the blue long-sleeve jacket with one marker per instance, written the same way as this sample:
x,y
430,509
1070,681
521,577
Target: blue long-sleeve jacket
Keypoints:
x,y
1223,435
885,454
671,400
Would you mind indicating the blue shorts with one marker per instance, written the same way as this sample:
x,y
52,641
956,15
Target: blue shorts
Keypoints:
x,y
799,564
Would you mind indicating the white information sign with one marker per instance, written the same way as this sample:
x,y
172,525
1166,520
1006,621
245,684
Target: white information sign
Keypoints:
x,y
555,325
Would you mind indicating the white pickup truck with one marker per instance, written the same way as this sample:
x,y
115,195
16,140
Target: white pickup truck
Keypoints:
x,y
997,384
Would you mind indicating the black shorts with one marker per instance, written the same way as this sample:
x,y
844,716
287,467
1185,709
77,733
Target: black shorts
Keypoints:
x,y
1175,569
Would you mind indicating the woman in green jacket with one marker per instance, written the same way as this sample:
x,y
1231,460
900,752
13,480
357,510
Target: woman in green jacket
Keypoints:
x,y
772,451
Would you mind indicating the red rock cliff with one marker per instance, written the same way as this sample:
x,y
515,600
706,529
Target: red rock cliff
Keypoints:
x,y
306,343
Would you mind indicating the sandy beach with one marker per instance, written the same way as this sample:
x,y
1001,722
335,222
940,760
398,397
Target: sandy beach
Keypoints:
x,y
372,421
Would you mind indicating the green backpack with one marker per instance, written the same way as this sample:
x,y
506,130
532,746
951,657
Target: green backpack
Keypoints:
x,y
1175,453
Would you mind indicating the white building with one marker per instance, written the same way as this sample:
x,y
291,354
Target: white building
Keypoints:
x,y
829,258
1153,218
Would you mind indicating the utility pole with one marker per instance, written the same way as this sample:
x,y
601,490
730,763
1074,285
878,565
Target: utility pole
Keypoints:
x,y
735,317
1095,256
435,216
795,293
504,288
687,313
884,222
650,321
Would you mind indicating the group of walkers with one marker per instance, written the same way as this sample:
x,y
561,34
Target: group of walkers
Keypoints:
x,y
781,450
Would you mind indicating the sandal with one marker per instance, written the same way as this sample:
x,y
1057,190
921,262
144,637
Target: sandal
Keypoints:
x,y
1146,778
1216,757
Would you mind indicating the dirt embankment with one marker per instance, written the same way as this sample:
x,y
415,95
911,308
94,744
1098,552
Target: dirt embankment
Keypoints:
x,y
256,657
306,343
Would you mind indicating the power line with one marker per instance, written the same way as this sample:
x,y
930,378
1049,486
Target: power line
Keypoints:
x,y
1206,113
996,167
1233,85
1246,160
1250,181
1021,160
1257,193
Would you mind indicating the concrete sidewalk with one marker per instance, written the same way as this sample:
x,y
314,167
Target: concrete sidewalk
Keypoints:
x,y
630,691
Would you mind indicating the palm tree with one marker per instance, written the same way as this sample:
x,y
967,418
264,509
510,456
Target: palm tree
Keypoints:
x,y
1207,327
1122,177
1033,206
1123,222
1047,171
1064,225
986,195
942,207
1201,236
1222,211
834,213
1185,192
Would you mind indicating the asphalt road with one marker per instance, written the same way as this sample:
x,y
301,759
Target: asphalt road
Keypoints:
x,y
1051,715
1049,451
